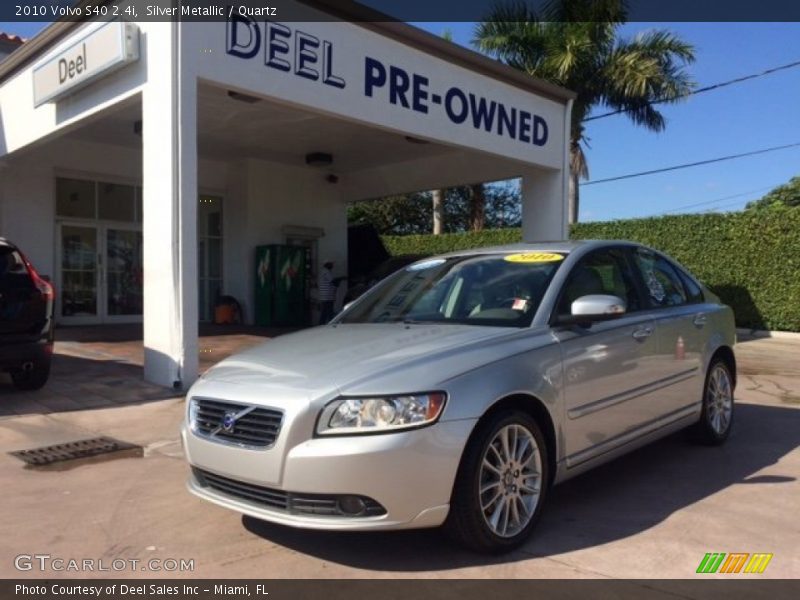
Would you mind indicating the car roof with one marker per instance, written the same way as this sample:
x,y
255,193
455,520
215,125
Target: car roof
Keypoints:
x,y
564,247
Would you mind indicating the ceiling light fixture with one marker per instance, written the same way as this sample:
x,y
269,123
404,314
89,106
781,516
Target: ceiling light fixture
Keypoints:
x,y
319,159
246,98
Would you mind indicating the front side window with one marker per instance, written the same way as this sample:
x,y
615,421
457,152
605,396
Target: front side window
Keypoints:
x,y
601,272
661,280
492,290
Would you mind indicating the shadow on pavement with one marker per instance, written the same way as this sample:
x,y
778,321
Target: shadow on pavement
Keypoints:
x,y
78,383
614,501
134,332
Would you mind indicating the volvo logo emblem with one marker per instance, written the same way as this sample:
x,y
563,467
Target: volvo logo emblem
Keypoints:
x,y
228,421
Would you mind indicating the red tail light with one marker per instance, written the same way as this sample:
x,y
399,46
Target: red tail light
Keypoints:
x,y
45,288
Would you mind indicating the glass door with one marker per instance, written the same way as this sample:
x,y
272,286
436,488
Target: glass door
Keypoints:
x,y
101,278
122,274
79,258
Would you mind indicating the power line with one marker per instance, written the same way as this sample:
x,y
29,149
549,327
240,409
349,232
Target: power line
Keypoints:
x,y
707,88
730,204
707,202
694,164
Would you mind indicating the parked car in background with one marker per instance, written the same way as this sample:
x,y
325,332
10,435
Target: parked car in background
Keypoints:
x,y
457,391
26,319
357,286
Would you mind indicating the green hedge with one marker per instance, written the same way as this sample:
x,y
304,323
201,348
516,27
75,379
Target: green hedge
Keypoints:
x,y
751,259
448,242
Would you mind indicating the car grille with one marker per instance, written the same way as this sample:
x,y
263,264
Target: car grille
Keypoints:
x,y
258,428
288,502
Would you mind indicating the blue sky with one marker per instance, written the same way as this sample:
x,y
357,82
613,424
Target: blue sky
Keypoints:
x,y
748,116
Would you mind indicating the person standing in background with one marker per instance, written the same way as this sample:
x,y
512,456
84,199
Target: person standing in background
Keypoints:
x,y
327,292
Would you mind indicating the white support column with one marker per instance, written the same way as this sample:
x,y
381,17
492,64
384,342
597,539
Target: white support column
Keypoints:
x,y
169,147
544,206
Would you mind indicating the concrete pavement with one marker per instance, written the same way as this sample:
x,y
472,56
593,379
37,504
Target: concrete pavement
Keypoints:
x,y
651,514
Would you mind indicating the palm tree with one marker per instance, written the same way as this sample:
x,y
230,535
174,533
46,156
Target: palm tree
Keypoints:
x,y
438,211
576,44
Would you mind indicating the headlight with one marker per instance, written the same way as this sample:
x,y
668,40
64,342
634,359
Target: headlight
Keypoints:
x,y
373,415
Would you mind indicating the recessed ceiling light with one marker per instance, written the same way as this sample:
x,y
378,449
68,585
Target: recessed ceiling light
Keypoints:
x,y
319,159
246,98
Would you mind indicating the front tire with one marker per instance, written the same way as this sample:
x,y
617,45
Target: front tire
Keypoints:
x,y
501,484
716,419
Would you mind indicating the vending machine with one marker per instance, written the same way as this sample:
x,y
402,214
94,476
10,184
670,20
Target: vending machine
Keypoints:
x,y
281,281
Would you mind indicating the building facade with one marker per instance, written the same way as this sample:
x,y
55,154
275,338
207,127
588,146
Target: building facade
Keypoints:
x,y
142,163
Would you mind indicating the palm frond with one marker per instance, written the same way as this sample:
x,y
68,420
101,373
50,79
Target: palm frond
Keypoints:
x,y
647,69
614,12
574,43
512,33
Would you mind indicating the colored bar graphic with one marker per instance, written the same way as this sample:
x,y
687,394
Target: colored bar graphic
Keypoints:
x,y
758,562
734,562
701,568
713,562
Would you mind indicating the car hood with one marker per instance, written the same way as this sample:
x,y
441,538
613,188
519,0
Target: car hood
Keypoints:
x,y
351,356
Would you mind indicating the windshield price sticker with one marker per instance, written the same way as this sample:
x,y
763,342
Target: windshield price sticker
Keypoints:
x,y
534,257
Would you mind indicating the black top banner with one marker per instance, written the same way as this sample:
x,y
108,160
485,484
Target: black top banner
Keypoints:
x,y
383,10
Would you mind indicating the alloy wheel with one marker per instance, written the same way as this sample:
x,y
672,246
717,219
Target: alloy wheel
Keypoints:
x,y
719,400
510,480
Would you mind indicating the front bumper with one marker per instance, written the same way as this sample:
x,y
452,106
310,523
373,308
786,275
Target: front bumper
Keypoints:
x,y
410,474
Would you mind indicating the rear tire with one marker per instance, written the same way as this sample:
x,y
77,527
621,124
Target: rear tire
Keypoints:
x,y
501,484
716,419
34,378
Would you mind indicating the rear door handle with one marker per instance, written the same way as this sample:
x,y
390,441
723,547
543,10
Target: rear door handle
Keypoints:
x,y
642,333
700,320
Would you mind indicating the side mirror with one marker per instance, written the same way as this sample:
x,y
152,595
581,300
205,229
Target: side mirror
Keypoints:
x,y
594,307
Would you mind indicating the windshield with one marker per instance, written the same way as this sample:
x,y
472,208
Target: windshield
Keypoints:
x,y
493,289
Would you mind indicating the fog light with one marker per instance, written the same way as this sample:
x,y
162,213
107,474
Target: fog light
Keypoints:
x,y
352,505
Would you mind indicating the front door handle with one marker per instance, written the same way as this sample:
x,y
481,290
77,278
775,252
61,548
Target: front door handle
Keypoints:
x,y
700,320
642,333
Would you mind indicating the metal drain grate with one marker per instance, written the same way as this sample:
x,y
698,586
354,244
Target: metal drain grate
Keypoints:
x,y
70,454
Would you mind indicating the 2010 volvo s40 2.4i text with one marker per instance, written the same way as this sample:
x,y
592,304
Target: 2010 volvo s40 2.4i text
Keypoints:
x,y
458,390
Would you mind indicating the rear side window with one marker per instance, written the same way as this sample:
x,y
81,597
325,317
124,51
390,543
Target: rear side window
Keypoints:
x,y
693,291
662,282
12,268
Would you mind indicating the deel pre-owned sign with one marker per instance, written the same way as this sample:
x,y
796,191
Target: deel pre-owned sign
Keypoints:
x,y
358,74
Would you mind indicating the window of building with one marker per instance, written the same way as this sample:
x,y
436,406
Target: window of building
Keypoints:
x,y
80,199
116,202
76,199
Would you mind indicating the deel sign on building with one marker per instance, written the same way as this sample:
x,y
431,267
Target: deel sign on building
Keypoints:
x,y
103,51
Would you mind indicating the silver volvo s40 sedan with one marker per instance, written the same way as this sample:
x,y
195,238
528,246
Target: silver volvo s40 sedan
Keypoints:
x,y
458,390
